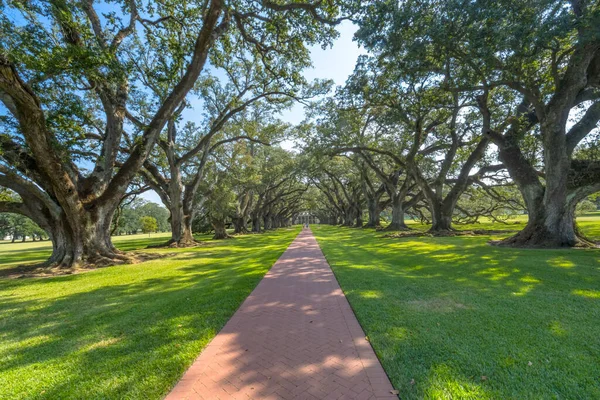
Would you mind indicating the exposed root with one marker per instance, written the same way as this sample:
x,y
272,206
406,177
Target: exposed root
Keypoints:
x,y
45,270
219,237
517,241
394,228
175,245
538,237
476,232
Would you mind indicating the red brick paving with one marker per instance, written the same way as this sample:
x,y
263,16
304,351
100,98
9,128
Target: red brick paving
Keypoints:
x,y
295,337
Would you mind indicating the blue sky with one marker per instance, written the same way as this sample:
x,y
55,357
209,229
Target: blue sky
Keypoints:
x,y
335,63
332,63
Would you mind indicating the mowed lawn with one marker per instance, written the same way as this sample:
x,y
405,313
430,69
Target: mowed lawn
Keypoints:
x,y
127,331
455,318
21,253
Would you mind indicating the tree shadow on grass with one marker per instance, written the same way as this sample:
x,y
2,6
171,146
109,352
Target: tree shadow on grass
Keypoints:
x,y
464,319
126,331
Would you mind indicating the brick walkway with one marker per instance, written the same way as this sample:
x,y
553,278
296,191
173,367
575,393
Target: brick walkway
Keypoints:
x,y
295,337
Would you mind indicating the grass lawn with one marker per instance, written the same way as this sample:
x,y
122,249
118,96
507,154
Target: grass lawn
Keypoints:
x,y
125,331
20,253
456,318
589,224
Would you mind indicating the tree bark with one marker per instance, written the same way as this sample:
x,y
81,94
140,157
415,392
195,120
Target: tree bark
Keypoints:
x,y
397,223
441,217
86,243
256,223
374,216
239,225
550,208
359,220
219,227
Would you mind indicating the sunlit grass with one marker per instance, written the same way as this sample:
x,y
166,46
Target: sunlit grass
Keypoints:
x,y
588,223
455,318
21,253
125,331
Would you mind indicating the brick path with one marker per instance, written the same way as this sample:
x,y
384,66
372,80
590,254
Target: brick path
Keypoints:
x,y
295,337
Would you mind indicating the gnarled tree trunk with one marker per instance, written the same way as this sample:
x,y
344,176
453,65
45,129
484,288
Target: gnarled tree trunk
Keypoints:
x,y
374,213
441,216
397,223
220,230
84,241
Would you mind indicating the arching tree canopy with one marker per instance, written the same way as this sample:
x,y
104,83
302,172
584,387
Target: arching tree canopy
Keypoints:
x,y
456,111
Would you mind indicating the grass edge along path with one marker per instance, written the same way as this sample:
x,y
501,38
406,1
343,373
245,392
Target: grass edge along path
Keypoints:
x,y
456,318
126,331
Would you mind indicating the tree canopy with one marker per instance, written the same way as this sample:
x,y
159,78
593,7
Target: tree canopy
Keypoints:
x,y
458,110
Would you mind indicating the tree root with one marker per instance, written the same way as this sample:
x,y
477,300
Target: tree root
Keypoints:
x,y
47,270
446,233
175,244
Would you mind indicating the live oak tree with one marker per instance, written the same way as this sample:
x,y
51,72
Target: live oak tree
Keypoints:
x,y
537,62
339,180
176,172
432,134
278,186
68,81
267,175
244,73
64,53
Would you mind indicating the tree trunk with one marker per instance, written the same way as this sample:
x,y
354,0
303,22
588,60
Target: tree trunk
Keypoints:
x,y
359,220
551,223
85,240
551,209
348,217
220,230
441,217
239,225
181,225
267,222
397,223
256,223
373,209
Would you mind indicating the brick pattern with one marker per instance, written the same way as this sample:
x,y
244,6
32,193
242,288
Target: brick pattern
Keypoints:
x,y
295,337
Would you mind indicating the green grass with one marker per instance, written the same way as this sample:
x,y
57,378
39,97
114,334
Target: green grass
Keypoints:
x,y
127,331
589,224
20,253
455,318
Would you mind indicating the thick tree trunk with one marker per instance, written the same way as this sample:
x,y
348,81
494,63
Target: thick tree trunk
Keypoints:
x,y
374,216
348,218
176,220
551,209
220,230
256,224
359,220
551,223
267,222
397,223
239,225
441,217
181,226
84,241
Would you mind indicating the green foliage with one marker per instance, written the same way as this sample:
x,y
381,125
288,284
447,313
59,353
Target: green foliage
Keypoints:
x,y
17,226
584,207
128,217
148,224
